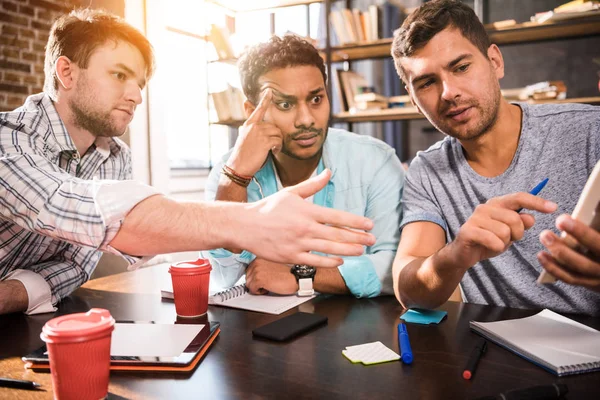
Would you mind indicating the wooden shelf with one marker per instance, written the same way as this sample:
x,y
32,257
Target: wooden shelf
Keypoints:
x,y
386,114
234,123
581,100
520,33
409,113
232,61
255,5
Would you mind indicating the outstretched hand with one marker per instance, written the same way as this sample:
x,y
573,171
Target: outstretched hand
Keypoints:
x,y
288,228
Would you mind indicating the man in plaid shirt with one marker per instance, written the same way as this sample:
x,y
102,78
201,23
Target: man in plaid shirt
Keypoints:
x,y
66,193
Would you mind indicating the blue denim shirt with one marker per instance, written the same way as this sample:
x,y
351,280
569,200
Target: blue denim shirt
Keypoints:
x,y
367,179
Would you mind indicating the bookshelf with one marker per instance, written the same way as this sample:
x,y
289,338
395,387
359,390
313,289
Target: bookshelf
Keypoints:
x,y
526,32
519,33
409,113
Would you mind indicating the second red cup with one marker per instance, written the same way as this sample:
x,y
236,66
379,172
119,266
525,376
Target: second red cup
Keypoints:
x,y
79,352
190,287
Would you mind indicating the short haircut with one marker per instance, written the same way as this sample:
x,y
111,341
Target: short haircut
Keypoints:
x,y
429,20
278,52
76,35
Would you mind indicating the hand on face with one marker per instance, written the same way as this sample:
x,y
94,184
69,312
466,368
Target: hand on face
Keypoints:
x,y
494,226
287,228
567,264
264,277
256,138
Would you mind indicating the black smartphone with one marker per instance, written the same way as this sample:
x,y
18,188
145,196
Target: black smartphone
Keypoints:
x,y
289,327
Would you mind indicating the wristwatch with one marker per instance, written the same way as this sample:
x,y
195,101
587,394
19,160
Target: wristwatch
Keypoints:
x,y
305,275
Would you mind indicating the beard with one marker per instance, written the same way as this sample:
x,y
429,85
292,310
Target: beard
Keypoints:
x,y
98,122
289,138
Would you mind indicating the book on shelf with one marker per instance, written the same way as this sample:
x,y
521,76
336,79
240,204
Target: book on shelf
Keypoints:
x,y
577,6
549,340
538,91
399,101
356,26
374,18
369,105
364,97
350,82
228,105
570,10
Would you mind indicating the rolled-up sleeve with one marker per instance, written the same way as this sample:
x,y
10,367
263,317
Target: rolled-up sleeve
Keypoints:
x,y
40,197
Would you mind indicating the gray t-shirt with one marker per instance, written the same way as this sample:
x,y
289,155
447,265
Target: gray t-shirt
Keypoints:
x,y
559,142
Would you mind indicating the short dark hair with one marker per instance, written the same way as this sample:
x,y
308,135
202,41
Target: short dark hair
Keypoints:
x,y
76,35
429,20
278,52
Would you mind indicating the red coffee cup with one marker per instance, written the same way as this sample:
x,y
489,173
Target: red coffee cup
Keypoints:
x,y
79,351
190,287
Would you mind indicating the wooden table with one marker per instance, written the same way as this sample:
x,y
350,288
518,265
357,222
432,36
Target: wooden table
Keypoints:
x,y
312,366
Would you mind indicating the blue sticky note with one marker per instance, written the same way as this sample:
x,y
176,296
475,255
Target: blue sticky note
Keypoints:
x,y
424,317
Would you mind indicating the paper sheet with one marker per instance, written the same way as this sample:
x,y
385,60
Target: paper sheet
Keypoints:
x,y
151,340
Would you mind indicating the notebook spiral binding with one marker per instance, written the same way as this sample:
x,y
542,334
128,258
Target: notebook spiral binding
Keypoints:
x,y
230,293
579,368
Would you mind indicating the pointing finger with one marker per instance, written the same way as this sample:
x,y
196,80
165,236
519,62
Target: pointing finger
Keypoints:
x,y
259,112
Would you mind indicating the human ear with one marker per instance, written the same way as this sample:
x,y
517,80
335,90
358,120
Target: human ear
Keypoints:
x,y
495,57
66,72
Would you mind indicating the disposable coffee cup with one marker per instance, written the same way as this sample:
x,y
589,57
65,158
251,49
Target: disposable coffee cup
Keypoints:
x,y
79,352
190,287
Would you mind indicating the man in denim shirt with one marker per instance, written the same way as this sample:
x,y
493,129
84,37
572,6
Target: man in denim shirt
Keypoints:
x,y
286,140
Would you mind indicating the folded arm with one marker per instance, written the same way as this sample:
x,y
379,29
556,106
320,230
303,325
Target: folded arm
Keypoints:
x,y
38,288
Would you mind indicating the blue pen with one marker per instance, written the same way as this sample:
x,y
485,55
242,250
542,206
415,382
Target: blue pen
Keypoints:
x,y
405,350
536,190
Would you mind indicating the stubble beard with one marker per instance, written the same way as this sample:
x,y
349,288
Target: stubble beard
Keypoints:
x,y
98,123
489,115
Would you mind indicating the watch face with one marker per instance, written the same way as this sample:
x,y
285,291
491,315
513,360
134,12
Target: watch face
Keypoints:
x,y
304,271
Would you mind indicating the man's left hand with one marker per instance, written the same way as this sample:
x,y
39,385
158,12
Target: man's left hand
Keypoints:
x,y
567,264
264,277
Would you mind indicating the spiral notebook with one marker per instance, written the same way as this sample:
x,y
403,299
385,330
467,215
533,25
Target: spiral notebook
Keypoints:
x,y
239,297
556,343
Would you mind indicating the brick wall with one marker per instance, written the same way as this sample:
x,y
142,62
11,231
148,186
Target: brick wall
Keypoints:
x,y
24,28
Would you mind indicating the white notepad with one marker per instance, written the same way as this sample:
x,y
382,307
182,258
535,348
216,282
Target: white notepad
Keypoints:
x,y
239,297
554,342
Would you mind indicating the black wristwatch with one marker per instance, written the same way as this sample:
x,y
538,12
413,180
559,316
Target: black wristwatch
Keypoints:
x,y
305,275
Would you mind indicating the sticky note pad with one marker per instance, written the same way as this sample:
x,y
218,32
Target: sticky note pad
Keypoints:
x,y
370,353
424,317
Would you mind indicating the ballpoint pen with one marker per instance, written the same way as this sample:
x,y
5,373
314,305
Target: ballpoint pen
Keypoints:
x,y
405,350
18,384
476,354
536,190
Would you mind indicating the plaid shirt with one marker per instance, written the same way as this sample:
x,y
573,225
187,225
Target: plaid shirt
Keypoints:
x,y
58,210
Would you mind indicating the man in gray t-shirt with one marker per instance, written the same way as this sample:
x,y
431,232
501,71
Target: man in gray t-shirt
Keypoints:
x,y
462,197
